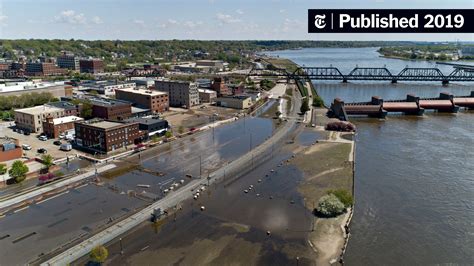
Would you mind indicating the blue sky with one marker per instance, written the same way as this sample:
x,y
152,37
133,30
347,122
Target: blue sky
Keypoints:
x,y
193,19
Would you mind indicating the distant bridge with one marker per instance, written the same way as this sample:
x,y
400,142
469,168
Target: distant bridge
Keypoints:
x,y
461,73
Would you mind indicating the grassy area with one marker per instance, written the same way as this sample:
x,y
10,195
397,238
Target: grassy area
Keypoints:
x,y
287,64
325,167
120,170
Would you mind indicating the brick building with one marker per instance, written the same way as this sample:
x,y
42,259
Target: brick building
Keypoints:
x,y
10,149
111,109
92,66
70,109
68,60
53,127
156,101
44,69
101,136
220,87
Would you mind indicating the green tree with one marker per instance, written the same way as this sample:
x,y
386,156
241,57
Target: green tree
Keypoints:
x,y
47,160
155,138
318,101
86,112
330,206
304,106
99,254
3,169
18,171
168,134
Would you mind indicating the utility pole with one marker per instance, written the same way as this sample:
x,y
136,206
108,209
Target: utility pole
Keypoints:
x,y
121,246
200,166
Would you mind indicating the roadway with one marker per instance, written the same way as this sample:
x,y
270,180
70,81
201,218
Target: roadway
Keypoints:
x,y
174,198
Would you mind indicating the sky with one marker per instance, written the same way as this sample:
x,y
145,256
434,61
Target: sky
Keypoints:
x,y
194,19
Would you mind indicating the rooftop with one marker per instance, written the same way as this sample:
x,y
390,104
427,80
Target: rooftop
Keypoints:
x,y
107,102
104,124
240,97
39,110
27,85
66,119
63,105
206,91
143,91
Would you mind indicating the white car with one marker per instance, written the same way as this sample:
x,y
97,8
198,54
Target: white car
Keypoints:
x,y
43,138
26,147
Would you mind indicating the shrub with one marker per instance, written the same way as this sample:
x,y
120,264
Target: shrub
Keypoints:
x,y
344,196
99,254
330,206
343,126
317,101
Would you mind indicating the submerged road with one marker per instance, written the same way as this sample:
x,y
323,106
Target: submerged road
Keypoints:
x,y
174,198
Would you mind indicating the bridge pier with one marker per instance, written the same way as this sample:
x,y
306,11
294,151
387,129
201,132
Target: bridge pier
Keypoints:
x,y
412,98
450,97
344,80
394,81
445,82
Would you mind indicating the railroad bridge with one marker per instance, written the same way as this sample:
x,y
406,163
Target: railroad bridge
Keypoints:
x,y
412,105
461,73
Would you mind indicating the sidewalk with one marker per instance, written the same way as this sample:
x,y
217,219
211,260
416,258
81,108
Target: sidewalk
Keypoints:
x,y
20,198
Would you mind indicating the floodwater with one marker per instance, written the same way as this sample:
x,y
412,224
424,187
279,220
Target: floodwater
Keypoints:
x,y
414,175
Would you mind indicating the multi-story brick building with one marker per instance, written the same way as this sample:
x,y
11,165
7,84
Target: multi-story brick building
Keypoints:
x,y
101,136
156,101
110,109
220,87
92,66
180,93
53,127
31,119
43,69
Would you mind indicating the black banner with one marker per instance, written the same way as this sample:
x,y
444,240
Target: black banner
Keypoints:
x,y
391,21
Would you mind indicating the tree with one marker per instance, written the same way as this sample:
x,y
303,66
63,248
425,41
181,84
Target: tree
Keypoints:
x,y
330,206
18,171
99,254
3,169
47,161
86,112
155,138
304,106
317,101
180,129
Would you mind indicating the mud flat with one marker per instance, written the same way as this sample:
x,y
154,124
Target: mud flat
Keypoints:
x,y
326,165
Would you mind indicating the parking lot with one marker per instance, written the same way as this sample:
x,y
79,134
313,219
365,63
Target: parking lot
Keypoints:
x,y
6,129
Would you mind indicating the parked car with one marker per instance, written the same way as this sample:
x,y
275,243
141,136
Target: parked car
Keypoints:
x,y
42,150
43,138
26,147
65,147
27,133
57,142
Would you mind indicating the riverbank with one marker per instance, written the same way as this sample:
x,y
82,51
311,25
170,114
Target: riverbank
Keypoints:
x,y
327,165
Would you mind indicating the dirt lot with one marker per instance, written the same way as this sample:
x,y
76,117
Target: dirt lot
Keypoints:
x,y
197,116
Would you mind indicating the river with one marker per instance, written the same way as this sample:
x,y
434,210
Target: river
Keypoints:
x,y
414,184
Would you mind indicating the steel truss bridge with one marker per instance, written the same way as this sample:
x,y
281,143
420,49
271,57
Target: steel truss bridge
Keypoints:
x,y
460,74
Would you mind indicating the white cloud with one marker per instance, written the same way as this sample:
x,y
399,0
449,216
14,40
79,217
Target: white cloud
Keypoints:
x,y
70,17
291,24
97,20
173,22
239,11
227,19
282,11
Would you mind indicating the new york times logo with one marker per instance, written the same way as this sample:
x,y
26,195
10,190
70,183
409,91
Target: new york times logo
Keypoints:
x,y
391,21
319,21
